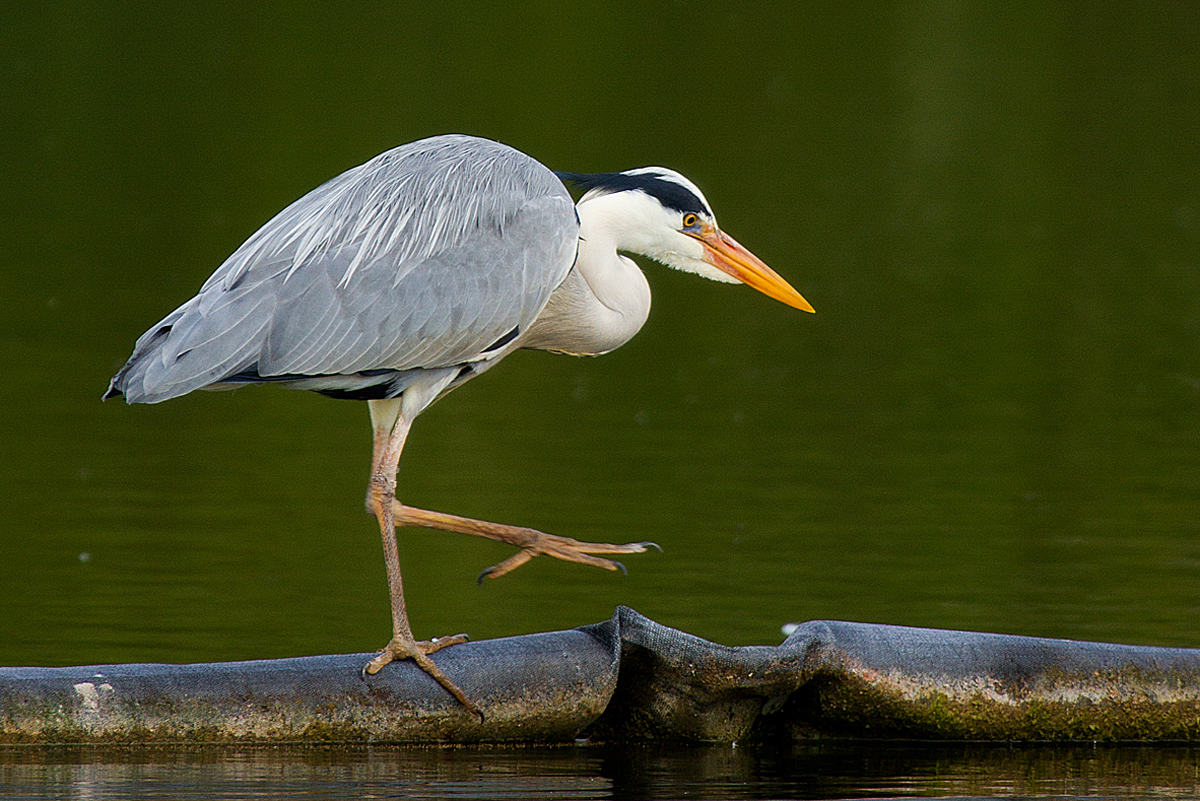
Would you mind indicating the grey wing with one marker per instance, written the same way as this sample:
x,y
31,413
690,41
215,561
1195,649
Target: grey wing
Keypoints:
x,y
424,258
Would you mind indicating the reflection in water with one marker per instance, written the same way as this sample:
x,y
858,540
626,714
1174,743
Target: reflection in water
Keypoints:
x,y
598,772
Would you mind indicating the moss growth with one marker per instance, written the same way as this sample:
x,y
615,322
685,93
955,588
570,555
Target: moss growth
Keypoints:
x,y
849,705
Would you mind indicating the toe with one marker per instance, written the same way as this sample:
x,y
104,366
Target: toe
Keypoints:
x,y
381,660
438,643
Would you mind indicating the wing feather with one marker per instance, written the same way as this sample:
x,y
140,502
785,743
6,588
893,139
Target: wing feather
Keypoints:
x,y
419,259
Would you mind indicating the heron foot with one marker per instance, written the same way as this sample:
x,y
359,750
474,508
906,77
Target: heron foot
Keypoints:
x,y
567,549
531,541
401,648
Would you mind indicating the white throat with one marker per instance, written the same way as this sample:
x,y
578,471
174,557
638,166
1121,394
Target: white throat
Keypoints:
x,y
605,299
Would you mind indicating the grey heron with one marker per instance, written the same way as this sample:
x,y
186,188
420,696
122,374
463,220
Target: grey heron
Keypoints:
x,y
405,277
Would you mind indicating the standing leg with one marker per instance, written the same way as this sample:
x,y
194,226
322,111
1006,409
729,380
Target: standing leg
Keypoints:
x,y
382,496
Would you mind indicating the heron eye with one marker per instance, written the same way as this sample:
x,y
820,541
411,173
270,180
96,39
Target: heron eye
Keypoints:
x,y
690,220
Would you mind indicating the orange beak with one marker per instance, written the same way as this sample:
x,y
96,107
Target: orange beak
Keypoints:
x,y
723,252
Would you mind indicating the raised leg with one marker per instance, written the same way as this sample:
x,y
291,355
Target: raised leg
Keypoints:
x,y
385,416
381,499
531,541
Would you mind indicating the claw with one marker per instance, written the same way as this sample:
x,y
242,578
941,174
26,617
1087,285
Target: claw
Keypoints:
x,y
654,545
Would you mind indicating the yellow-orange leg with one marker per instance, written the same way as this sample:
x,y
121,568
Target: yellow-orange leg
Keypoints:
x,y
391,429
389,420
382,501
531,541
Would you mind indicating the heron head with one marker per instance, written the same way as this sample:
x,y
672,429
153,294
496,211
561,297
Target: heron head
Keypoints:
x,y
663,215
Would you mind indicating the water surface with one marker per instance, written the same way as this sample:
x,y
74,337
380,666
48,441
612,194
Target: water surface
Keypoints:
x,y
593,772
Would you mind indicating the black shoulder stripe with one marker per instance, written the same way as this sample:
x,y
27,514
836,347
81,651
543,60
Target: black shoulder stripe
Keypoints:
x,y
373,392
504,340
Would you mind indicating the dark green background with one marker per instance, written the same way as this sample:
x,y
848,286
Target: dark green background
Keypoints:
x,y
991,422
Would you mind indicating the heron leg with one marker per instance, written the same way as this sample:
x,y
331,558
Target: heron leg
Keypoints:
x,y
382,495
531,541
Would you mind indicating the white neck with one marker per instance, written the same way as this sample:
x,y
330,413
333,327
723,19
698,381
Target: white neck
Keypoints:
x,y
605,300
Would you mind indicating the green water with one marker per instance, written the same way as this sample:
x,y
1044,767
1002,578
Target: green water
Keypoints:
x,y
991,423
590,772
